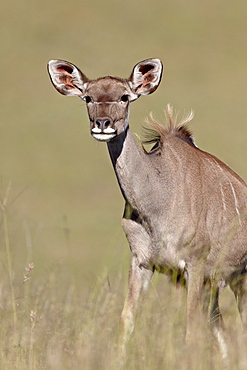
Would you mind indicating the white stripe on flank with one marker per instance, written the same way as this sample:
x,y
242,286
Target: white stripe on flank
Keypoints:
x,y
236,203
223,197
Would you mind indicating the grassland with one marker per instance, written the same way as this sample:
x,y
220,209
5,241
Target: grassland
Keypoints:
x,y
64,258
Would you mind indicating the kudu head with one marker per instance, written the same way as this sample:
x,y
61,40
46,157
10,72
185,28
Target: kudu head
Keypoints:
x,y
107,98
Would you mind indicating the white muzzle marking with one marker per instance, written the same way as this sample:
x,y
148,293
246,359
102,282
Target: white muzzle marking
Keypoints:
x,y
96,130
103,135
108,130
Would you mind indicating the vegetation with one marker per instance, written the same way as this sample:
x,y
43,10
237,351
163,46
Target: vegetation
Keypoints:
x,y
64,258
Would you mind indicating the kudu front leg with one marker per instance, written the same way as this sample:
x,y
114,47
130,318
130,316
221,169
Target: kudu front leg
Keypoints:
x,y
139,278
140,274
194,295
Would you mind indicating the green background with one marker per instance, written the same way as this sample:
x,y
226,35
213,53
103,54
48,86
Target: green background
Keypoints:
x,y
64,205
45,142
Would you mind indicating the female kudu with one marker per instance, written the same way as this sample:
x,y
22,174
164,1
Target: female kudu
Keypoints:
x,y
185,211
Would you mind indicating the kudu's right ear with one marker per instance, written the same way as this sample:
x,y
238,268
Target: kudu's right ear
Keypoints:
x,y
145,77
67,78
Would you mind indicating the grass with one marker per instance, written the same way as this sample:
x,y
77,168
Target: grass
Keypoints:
x,y
59,327
64,313
50,321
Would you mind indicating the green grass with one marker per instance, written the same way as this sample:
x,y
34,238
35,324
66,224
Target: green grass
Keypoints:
x,y
64,206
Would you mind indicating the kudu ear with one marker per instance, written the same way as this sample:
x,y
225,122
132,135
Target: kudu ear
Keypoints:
x,y
67,78
145,77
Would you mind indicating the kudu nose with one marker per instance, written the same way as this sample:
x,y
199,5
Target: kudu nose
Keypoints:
x,y
102,123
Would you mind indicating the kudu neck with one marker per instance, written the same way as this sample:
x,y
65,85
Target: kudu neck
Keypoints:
x,y
123,145
128,161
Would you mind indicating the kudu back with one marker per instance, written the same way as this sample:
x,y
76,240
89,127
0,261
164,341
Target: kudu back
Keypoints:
x,y
185,210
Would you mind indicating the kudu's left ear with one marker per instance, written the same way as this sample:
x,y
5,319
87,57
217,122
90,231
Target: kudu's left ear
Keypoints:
x,y
67,78
145,77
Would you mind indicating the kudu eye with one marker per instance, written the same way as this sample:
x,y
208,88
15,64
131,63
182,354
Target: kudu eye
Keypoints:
x,y
87,99
124,98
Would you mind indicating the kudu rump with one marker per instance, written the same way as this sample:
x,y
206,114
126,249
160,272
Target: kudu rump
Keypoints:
x,y
185,210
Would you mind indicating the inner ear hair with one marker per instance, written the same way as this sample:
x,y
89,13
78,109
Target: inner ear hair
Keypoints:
x,y
145,68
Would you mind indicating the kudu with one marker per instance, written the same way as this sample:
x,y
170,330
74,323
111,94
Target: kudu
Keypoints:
x,y
185,210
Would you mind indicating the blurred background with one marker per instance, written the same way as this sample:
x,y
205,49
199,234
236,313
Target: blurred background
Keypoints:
x,y
63,201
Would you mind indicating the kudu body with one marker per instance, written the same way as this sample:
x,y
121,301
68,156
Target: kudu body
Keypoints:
x,y
186,211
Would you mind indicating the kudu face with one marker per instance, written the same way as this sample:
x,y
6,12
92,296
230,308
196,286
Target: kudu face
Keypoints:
x,y
107,98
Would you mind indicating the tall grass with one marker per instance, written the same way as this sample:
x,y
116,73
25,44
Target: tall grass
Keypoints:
x,y
3,206
49,322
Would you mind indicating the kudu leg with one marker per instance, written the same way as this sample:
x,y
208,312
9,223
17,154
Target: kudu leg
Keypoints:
x,y
210,307
139,275
194,295
239,288
216,321
139,278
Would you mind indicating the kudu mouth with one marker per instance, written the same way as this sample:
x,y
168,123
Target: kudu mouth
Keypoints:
x,y
103,135
102,129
